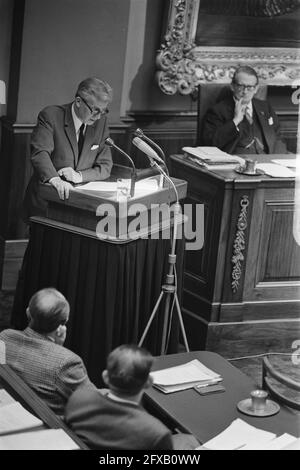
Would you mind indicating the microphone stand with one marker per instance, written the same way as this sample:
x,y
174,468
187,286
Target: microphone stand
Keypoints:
x,y
170,287
139,133
111,143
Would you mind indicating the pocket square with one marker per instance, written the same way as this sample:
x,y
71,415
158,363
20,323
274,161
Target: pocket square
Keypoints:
x,y
94,147
270,121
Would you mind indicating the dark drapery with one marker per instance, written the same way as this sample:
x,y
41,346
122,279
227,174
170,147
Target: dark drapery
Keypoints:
x,y
111,288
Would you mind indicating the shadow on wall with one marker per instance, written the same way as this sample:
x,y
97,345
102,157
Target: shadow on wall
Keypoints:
x,y
144,94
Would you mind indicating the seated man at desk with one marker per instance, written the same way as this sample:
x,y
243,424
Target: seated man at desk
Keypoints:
x,y
68,144
37,354
242,124
116,420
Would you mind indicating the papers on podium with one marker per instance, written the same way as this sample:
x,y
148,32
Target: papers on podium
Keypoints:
x,y
142,187
13,418
212,157
184,376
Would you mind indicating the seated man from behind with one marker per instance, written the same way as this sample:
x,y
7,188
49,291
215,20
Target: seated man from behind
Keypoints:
x,y
117,420
242,124
37,354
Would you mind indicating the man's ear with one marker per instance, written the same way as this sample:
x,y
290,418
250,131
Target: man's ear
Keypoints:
x,y
28,314
105,377
61,330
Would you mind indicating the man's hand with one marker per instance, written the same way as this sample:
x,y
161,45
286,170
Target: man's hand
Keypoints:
x,y
62,187
239,112
70,174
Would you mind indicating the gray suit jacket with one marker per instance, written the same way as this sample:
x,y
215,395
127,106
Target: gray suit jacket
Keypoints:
x,y
54,146
51,370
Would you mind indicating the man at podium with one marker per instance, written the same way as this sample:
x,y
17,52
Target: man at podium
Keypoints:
x,y
67,144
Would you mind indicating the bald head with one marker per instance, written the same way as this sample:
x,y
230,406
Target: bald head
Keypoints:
x,y
47,310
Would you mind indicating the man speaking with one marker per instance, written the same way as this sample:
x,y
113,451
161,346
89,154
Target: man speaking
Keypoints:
x,y
68,144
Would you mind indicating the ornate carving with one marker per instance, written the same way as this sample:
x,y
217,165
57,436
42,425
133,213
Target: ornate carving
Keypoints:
x,y
239,245
182,66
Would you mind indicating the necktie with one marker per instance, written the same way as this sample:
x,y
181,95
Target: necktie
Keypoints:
x,y
248,115
81,138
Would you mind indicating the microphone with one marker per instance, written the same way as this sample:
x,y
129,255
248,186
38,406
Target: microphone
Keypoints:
x,y
140,144
110,143
139,133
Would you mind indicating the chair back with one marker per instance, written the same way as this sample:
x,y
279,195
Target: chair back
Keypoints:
x,y
274,382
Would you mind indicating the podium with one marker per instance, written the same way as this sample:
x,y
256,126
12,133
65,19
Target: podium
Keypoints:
x,y
111,279
242,288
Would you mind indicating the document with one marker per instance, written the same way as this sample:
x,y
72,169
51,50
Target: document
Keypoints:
x,y
237,435
142,187
184,376
212,156
286,162
278,443
277,171
5,398
13,418
48,439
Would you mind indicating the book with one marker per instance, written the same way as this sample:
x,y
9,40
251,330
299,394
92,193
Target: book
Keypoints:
x,y
188,375
212,157
13,418
46,439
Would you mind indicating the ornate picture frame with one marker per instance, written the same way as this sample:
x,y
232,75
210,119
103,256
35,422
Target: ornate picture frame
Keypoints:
x,y
182,65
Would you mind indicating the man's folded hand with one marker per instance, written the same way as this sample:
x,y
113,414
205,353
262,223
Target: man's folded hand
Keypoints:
x,y
70,174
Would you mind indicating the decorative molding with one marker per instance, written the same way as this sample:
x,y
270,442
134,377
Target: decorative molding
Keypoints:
x,y
239,244
182,65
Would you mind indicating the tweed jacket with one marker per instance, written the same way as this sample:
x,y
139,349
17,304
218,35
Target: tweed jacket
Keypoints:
x,y
51,370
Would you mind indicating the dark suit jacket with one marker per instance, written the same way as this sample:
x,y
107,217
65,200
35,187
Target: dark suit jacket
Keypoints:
x,y
219,130
103,423
54,146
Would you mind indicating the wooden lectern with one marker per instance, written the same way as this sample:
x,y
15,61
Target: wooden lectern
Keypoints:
x,y
112,278
242,289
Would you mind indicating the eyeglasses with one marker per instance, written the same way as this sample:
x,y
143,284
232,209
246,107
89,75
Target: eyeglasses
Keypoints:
x,y
94,111
241,87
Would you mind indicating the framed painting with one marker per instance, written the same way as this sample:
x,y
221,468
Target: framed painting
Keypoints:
x,y
205,40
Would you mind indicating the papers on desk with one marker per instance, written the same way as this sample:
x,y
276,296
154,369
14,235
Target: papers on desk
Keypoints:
x,y
286,162
13,418
241,435
5,398
212,157
48,439
184,376
277,171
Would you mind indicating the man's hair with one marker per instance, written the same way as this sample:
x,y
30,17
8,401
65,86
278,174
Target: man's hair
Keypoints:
x,y
128,368
95,87
48,309
244,69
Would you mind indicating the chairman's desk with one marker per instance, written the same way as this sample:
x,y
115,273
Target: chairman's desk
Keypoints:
x,y
242,288
22,393
112,284
206,416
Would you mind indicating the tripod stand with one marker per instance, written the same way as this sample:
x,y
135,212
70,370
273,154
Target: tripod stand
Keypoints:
x,y
168,289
